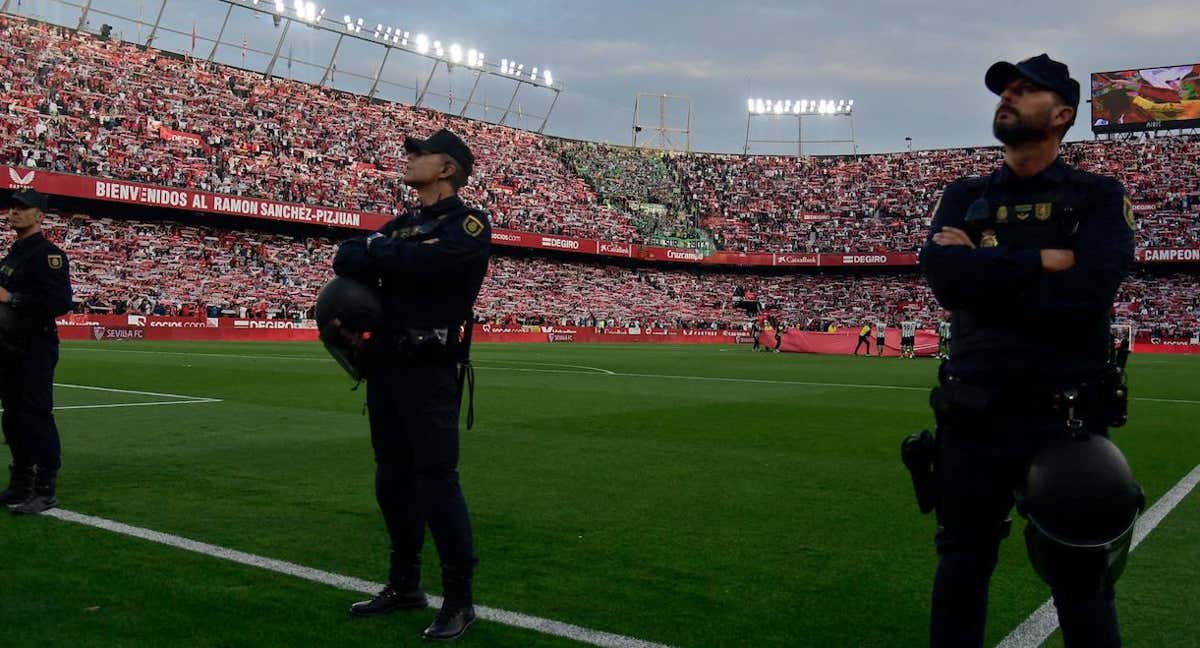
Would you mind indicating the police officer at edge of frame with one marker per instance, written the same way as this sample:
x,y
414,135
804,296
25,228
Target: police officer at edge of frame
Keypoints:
x,y
35,287
1028,259
429,265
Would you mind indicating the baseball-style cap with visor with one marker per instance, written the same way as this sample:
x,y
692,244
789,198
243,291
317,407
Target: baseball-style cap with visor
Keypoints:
x,y
1042,71
446,143
28,198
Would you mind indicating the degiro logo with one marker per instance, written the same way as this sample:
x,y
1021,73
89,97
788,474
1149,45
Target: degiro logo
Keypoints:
x,y
851,259
562,244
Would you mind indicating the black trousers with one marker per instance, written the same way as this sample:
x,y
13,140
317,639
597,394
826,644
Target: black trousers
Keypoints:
x,y
863,341
414,409
980,461
27,395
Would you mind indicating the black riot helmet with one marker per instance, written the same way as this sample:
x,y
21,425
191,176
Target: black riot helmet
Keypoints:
x,y
1082,502
351,302
358,310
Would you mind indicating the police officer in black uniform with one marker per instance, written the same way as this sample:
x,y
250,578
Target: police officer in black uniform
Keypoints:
x,y
429,265
1028,259
35,287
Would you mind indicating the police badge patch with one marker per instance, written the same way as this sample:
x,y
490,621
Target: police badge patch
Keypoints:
x,y
1129,214
55,261
472,225
1002,214
988,240
1041,211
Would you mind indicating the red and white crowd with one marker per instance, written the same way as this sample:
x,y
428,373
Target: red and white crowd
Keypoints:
x,y
76,104
81,105
180,269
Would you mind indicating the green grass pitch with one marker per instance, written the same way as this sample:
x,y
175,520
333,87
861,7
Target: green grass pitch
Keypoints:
x,y
693,496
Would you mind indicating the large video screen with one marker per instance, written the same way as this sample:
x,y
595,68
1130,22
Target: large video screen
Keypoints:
x,y
1150,99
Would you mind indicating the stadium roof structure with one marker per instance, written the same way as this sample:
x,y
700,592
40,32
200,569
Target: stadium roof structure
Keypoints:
x,y
304,41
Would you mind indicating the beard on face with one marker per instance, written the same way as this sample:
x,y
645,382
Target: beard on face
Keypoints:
x,y
1021,130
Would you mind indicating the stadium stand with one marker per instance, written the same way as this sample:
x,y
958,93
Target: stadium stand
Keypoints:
x,y
80,105
173,268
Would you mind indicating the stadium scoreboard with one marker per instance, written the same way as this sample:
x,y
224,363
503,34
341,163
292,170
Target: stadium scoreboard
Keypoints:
x,y
1161,98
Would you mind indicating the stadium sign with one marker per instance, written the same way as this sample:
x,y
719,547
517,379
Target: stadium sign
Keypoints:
x,y
118,333
615,249
1176,255
796,260
136,193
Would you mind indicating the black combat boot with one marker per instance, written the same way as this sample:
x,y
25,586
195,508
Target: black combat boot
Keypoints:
x,y
43,498
20,485
402,593
457,613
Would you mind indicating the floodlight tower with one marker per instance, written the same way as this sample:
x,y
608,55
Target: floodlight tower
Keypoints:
x,y
662,132
775,109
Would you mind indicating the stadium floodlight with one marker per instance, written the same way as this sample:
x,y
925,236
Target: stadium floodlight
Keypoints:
x,y
279,7
533,75
456,53
437,49
799,107
547,77
422,42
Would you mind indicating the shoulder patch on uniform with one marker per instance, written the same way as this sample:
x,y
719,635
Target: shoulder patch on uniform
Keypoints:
x,y
1129,214
472,225
55,261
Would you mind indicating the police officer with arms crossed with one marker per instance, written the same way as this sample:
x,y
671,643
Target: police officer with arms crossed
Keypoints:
x,y
1028,260
429,265
35,287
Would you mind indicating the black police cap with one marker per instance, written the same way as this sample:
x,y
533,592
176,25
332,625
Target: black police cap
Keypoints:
x,y
1041,70
444,142
30,198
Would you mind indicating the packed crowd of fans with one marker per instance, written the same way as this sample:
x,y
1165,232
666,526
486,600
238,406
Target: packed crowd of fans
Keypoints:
x,y
181,269
82,105
78,104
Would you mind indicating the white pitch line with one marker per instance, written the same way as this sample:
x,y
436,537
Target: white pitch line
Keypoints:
x,y
127,391
201,355
174,402
553,364
1039,626
349,583
595,371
